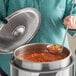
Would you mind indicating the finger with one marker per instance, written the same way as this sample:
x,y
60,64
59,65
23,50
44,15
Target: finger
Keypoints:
x,y
74,21
67,18
66,22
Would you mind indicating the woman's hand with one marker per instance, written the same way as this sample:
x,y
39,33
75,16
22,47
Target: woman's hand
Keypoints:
x,y
70,21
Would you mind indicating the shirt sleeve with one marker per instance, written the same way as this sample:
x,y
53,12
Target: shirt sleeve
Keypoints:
x,y
69,4
3,9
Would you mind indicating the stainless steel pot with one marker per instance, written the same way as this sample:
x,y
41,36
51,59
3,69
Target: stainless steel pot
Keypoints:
x,y
18,71
39,66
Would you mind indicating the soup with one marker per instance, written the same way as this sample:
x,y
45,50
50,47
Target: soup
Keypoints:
x,y
42,56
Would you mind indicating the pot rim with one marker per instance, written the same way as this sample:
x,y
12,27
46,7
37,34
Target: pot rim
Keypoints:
x,y
50,71
39,62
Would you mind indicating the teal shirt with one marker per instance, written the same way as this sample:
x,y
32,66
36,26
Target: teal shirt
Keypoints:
x,y
51,30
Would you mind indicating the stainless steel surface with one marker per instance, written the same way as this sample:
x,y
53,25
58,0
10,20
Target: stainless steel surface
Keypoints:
x,y
41,65
18,31
17,71
21,28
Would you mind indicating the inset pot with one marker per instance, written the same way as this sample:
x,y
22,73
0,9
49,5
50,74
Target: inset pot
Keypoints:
x,y
39,66
64,67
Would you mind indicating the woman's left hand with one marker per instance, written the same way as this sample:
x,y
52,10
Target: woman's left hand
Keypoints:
x,y
70,21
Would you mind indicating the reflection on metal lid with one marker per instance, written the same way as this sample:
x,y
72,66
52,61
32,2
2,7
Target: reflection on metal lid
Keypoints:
x,y
21,28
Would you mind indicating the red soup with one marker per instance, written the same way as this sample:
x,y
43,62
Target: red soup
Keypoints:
x,y
43,56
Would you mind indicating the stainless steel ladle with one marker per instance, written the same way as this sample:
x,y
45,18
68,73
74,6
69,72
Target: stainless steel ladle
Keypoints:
x,y
70,19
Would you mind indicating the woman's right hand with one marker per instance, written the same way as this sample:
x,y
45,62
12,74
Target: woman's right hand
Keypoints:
x,y
70,21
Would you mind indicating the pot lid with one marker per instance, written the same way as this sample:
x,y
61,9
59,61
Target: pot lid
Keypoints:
x,y
21,27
